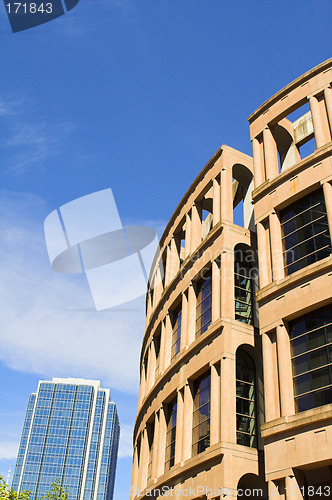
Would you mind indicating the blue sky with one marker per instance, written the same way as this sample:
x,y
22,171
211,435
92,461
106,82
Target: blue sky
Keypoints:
x,y
135,95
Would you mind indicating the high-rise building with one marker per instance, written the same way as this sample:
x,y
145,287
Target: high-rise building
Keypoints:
x,y
235,393
71,433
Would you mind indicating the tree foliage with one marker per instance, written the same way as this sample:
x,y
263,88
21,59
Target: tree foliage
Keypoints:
x,y
56,492
8,493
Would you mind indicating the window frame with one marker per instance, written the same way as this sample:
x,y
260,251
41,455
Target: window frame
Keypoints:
x,y
198,391
201,287
314,200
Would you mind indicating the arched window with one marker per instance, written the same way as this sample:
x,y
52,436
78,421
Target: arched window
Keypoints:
x,y
246,433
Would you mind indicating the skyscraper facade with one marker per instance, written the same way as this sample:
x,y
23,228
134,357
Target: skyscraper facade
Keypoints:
x,y
71,433
236,364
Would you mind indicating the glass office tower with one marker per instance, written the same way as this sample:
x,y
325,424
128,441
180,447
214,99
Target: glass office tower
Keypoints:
x,y
71,433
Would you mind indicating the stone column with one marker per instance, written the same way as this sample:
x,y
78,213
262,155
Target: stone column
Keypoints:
x,y
227,284
216,200
149,372
276,247
273,491
168,265
327,188
196,227
285,372
155,447
328,104
187,422
184,320
191,323
226,181
134,483
227,397
143,469
317,121
187,241
216,287
270,154
293,491
158,285
168,341
179,427
162,347
160,466
215,404
175,262
142,387
257,149
270,396
152,362
264,261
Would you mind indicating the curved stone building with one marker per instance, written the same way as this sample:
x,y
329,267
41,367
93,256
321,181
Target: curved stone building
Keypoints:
x,y
293,214
203,429
200,396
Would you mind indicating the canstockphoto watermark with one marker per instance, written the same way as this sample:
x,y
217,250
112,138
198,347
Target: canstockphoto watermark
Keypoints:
x,y
30,13
194,492
86,236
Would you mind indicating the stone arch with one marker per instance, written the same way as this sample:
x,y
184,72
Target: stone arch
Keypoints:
x,y
251,487
283,133
242,189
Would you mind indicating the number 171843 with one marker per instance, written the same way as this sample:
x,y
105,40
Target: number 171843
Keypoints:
x,y
29,8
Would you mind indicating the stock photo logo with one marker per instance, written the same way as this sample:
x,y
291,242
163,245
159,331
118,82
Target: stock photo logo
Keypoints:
x,y
86,236
28,14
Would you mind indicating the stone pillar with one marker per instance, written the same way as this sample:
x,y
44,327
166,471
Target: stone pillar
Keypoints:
x,y
327,188
257,149
155,447
142,388
215,404
184,320
276,247
162,347
292,487
168,265
158,285
285,372
227,397
187,422
317,121
160,466
270,154
264,261
216,200
273,491
328,104
187,241
216,287
179,427
143,469
270,396
168,341
196,227
134,475
149,372
227,284
226,181
175,259
191,323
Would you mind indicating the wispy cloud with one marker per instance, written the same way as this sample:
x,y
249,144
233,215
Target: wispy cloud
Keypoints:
x,y
8,450
28,138
126,441
48,325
